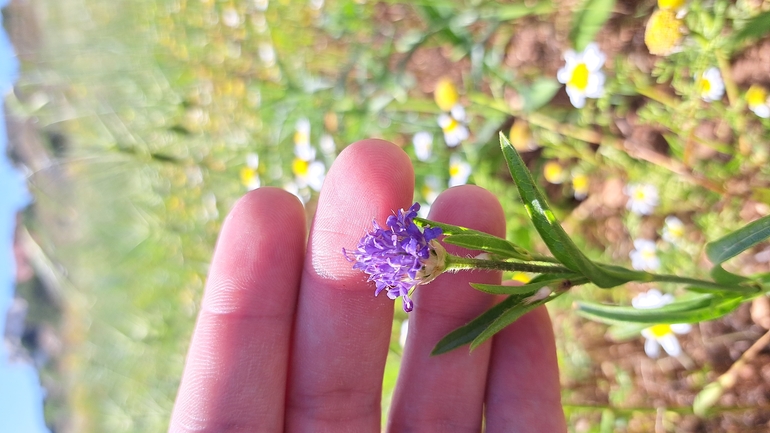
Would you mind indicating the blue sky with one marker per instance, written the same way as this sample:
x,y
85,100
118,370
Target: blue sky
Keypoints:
x,y
21,396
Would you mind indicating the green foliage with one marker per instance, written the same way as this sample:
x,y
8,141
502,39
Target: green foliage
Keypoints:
x,y
587,22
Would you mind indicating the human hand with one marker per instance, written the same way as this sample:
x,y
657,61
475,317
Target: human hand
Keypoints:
x,y
290,337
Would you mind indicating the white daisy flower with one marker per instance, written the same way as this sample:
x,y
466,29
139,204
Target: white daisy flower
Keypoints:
x,y
430,189
302,193
423,145
758,101
261,5
250,178
266,53
710,85
327,145
250,174
252,160
454,130
580,185
582,74
459,171
642,198
644,255
230,18
673,230
662,335
302,148
310,174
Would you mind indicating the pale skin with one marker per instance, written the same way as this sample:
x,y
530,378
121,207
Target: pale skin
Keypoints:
x,y
291,338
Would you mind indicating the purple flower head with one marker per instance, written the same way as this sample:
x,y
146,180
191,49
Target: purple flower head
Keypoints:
x,y
399,257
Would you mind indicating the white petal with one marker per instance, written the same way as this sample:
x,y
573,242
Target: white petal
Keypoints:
x,y
593,57
458,112
681,328
670,344
595,85
444,120
571,58
564,74
651,348
762,111
576,97
316,172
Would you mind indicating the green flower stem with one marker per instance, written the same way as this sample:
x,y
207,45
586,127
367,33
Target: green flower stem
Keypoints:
x,y
663,278
458,263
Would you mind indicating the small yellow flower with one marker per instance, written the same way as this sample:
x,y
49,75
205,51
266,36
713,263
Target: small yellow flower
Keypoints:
x,y
554,172
459,171
580,185
758,101
663,33
455,131
446,94
671,4
710,85
521,136
250,178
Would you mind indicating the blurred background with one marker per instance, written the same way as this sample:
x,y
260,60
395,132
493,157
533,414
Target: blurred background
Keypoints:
x,y
137,124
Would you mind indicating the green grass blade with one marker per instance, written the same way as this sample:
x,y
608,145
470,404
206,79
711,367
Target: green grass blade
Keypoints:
x,y
755,28
588,20
738,241
476,240
689,311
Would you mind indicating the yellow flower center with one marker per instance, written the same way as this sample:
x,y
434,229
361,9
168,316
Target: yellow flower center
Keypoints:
x,y
580,183
446,94
454,170
299,167
579,78
671,4
451,125
639,195
659,331
756,96
248,175
705,86
663,32
300,137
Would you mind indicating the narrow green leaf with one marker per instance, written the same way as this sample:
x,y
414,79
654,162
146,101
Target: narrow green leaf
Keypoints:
x,y
539,93
552,233
511,12
508,317
489,244
755,28
689,311
720,275
556,281
738,241
626,330
465,334
476,240
588,20
707,398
